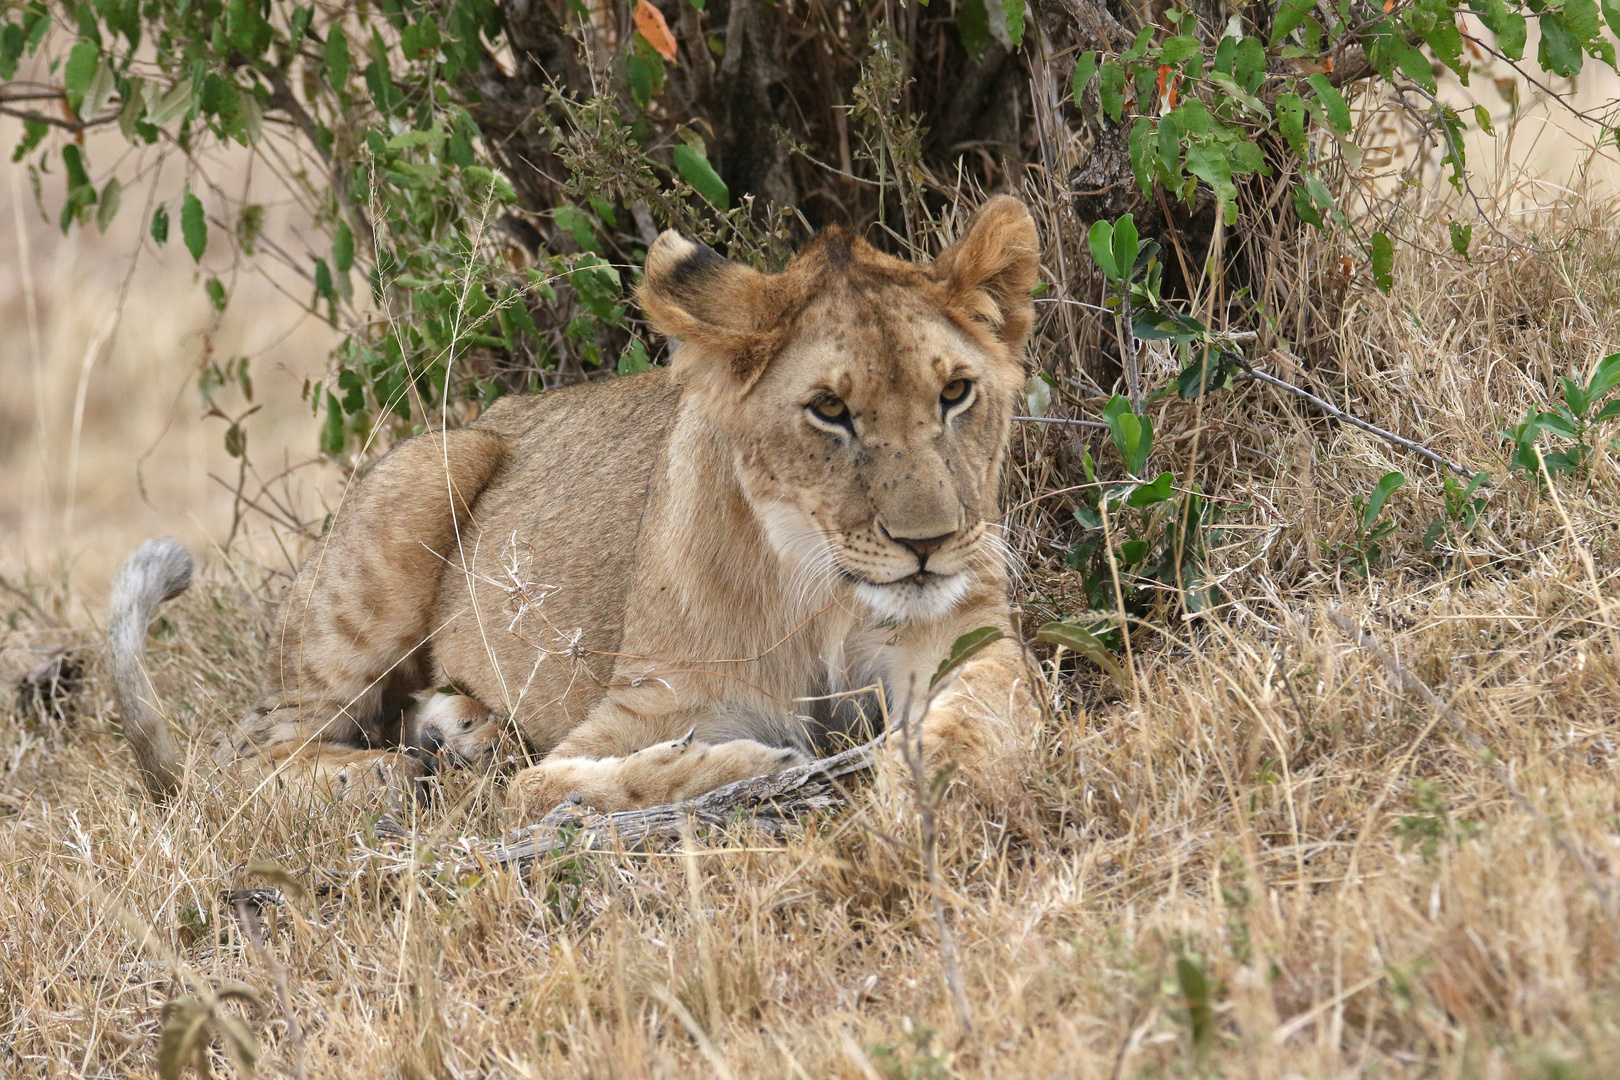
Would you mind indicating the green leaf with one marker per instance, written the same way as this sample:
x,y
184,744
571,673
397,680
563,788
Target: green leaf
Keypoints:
x,y
640,76
1302,206
1111,91
1125,247
176,103
1581,16
1383,262
1560,49
112,196
964,649
1290,14
1338,113
342,248
1210,164
1608,412
973,26
696,170
1181,48
1605,377
1082,642
634,359
332,430
1014,12
1380,495
337,57
1084,68
79,70
217,297
354,391
1101,242
193,226
1482,117
1195,991
486,181
1291,122
1611,15
160,225
1460,236
101,89
1161,490
1144,149
1575,397
1132,434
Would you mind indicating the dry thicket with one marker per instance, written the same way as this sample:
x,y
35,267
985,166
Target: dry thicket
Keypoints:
x,y
1265,856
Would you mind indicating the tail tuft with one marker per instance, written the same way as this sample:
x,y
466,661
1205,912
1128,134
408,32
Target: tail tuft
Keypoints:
x,y
156,571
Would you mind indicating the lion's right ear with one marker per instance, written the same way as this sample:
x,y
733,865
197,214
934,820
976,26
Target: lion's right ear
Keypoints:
x,y
722,312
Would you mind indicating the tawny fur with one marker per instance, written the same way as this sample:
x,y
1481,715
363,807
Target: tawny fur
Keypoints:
x,y
668,582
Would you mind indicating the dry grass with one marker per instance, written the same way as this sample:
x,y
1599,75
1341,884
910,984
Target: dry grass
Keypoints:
x,y
1358,892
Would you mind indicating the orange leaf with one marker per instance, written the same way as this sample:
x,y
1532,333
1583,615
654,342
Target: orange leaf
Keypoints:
x,y
1389,6
650,22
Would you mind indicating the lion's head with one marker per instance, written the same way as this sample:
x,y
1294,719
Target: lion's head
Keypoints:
x,y
869,398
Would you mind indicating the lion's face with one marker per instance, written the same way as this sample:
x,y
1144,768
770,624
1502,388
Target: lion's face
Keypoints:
x,y
872,448
869,400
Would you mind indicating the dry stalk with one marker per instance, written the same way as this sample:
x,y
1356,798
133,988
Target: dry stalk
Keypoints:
x,y
926,791
247,917
1356,421
1492,760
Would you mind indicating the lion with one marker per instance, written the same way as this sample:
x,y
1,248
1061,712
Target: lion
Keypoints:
x,y
670,581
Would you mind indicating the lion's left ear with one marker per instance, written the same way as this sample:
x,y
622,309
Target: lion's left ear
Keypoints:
x,y
724,313
989,272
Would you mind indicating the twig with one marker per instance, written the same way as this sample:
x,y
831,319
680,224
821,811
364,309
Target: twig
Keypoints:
x,y
773,803
927,796
1493,761
1063,420
1356,421
247,917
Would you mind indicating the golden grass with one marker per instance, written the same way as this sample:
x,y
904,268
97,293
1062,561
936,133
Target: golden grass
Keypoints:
x,y
1269,817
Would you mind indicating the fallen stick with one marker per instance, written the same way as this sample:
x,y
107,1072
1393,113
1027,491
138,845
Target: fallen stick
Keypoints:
x,y
773,803
1353,420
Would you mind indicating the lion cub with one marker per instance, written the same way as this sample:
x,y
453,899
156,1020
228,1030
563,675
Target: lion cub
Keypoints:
x,y
671,581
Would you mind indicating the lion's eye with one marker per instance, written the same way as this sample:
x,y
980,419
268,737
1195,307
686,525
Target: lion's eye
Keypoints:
x,y
830,408
956,391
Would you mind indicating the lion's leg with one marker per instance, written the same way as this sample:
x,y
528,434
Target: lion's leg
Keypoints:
x,y
350,645
320,770
611,761
978,720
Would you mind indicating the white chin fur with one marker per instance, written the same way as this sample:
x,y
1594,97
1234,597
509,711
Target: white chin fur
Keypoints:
x,y
912,601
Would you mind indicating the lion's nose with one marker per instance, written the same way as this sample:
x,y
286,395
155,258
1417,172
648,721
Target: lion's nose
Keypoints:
x,y
923,546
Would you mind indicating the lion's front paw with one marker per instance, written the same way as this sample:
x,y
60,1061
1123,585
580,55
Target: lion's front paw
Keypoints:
x,y
663,773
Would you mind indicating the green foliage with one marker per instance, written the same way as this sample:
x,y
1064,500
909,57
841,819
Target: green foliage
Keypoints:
x,y
1142,542
964,649
1432,823
917,1056
1366,549
1462,509
1574,421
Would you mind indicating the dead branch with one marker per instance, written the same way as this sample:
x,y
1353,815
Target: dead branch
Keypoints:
x,y
772,803
1249,372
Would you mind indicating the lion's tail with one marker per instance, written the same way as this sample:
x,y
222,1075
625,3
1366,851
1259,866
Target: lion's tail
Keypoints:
x,y
156,571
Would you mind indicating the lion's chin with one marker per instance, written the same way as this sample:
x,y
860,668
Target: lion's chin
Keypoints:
x,y
921,598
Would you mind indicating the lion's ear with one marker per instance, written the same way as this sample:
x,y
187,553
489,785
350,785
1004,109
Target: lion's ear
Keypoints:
x,y
720,310
989,272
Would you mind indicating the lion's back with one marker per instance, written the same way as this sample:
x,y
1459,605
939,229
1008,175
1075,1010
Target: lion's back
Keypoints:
x,y
551,547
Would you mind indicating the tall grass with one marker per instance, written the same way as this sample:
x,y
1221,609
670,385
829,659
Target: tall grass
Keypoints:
x,y
1273,862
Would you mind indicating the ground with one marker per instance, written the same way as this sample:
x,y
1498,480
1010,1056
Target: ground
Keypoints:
x,y
1265,852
